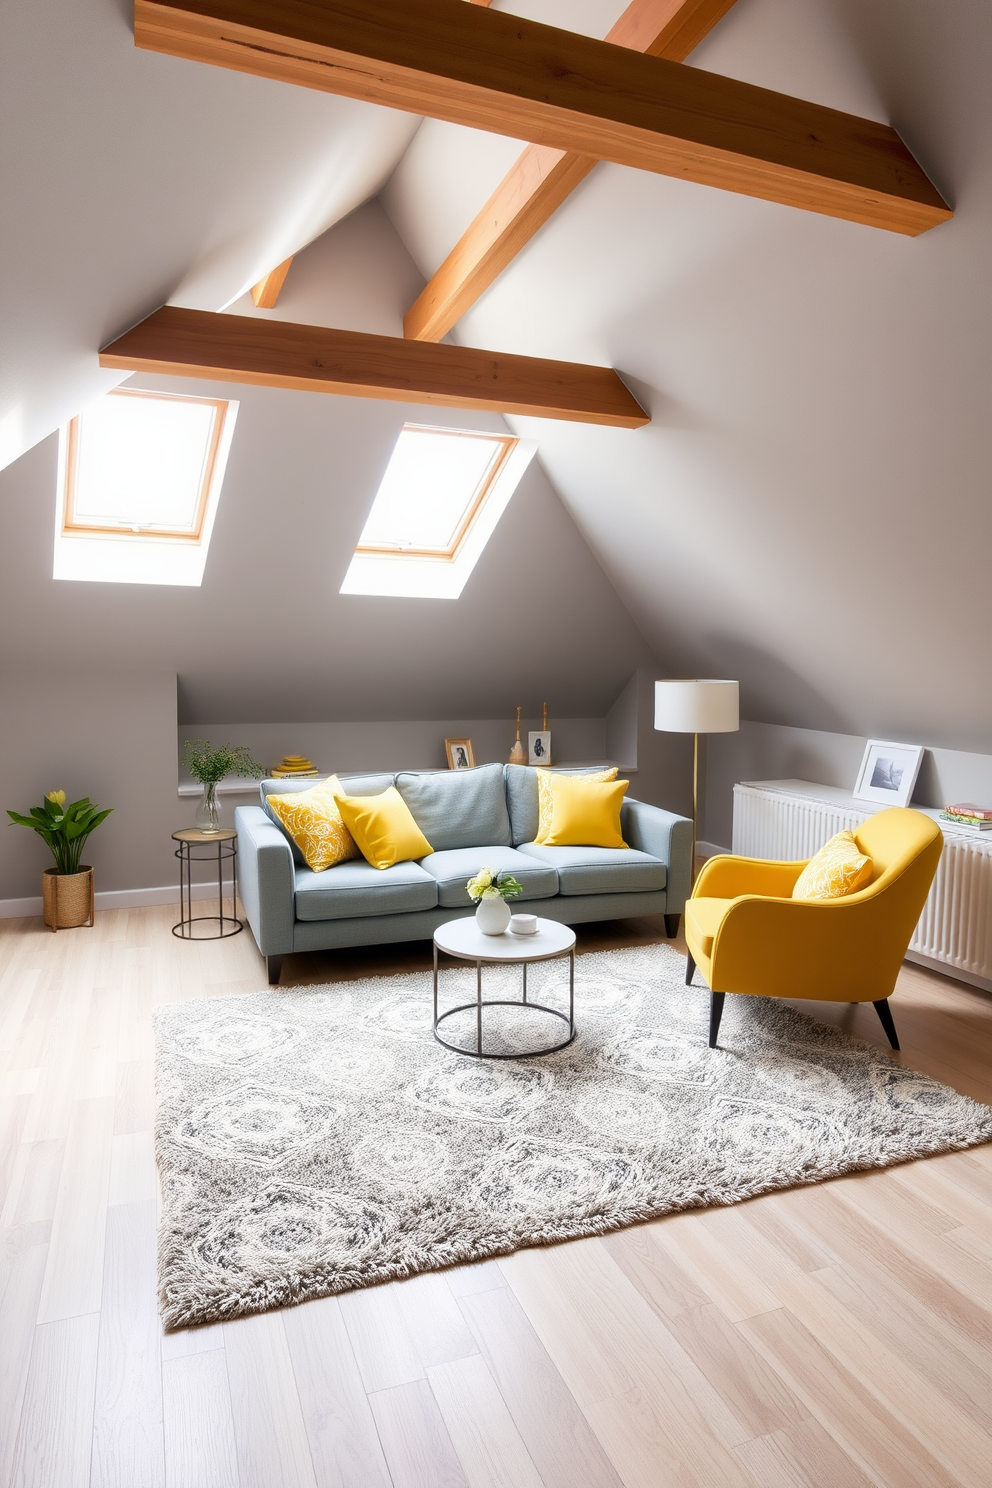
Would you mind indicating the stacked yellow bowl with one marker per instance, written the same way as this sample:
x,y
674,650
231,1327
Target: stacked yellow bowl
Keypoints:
x,y
293,765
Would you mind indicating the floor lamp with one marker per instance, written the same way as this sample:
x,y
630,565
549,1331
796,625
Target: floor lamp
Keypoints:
x,y
696,705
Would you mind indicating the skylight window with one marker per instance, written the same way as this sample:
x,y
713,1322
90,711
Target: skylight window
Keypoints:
x,y
140,474
442,494
434,487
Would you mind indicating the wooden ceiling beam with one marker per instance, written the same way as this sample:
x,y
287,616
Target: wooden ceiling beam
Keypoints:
x,y
266,292
315,359
498,72
541,178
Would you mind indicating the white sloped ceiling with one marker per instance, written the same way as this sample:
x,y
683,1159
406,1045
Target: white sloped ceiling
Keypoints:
x,y
129,179
808,508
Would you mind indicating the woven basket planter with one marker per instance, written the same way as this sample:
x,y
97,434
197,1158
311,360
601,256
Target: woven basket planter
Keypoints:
x,y
67,898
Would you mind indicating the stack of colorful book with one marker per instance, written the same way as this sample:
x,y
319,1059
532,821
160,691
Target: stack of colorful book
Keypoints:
x,y
293,766
965,816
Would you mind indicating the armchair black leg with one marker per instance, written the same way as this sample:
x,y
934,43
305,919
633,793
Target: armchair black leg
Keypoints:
x,y
672,926
716,1013
690,967
885,1018
274,966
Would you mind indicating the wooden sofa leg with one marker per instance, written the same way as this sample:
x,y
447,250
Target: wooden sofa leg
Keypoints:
x,y
885,1018
672,926
690,968
716,1013
274,965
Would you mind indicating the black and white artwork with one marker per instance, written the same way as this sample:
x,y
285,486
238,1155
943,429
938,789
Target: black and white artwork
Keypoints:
x,y
539,750
888,773
460,755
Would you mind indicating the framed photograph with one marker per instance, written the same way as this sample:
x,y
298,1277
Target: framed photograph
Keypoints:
x,y
888,773
459,752
539,747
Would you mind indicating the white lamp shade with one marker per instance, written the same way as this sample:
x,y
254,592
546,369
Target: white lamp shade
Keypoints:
x,y
697,705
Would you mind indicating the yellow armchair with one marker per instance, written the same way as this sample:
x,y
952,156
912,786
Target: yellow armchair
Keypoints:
x,y
746,933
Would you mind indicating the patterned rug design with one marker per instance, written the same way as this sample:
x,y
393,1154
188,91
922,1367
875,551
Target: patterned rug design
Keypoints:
x,y
316,1140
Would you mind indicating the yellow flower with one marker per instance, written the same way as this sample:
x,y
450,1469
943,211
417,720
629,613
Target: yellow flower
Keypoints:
x,y
482,881
58,797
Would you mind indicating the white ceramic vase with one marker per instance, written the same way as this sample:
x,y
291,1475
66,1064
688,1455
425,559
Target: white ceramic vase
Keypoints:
x,y
493,916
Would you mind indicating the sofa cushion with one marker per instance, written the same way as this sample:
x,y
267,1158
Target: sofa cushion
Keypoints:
x,y
522,798
351,890
600,870
458,808
311,819
355,785
453,869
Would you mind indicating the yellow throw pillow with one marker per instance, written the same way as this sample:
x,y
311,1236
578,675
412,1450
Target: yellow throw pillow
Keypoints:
x,y
585,813
384,828
544,802
312,819
839,868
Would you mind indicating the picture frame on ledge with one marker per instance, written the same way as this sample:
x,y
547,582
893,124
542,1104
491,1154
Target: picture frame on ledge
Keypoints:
x,y
459,752
888,773
539,747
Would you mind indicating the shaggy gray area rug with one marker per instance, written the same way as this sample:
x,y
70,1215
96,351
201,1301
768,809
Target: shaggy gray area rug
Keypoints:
x,y
320,1139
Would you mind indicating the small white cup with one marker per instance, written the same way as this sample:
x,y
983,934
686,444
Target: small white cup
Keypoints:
x,y
523,924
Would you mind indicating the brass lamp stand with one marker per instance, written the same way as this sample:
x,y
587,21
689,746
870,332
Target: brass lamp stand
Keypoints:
x,y
696,705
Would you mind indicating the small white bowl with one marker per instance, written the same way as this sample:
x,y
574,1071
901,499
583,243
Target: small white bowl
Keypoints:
x,y
523,924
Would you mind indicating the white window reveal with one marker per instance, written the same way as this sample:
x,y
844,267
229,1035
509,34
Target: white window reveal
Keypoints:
x,y
139,478
442,494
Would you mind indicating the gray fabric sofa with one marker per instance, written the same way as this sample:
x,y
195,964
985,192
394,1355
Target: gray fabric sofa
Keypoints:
x,y
486,817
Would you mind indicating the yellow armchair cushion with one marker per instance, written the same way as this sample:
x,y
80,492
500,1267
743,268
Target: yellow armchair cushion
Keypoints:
x,y
702,921
585,813
311,817
545,800
384,828
839,868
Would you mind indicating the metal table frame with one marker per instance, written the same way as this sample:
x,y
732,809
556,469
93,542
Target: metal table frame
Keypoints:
x,y
480,1002
227,851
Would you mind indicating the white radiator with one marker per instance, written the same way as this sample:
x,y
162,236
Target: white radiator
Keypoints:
x,y
792,819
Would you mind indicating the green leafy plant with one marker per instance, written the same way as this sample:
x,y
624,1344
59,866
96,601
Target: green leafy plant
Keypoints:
x,y
489,885
209,766
64,828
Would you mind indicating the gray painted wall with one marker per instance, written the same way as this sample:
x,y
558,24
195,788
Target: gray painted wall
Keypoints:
x,y
109,735
763,751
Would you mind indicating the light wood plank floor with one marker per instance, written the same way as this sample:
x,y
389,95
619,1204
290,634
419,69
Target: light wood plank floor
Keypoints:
x,y
830,1337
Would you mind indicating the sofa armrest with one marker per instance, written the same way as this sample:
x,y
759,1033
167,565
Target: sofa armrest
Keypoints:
x,y
728,877
664,835
266,880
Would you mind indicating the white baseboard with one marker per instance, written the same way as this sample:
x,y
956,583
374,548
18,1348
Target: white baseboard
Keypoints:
x,y
946,969
15,909
709,849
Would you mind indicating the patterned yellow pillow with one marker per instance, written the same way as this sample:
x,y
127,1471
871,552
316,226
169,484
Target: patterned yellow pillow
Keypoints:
x,y
312,819
839,868
545,800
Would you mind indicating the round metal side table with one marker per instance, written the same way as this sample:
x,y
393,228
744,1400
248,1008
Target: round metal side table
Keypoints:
x,y
226,844
462,940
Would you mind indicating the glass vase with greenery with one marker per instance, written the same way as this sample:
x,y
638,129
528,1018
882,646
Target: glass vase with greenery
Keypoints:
x,y
210,766
64,828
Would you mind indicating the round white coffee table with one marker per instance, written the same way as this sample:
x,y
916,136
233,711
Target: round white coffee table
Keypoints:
x,y
463,940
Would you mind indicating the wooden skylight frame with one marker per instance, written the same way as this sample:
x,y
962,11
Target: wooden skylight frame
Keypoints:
x,y
507,443
80,527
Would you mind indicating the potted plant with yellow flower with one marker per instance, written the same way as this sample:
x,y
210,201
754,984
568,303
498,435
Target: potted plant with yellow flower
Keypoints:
x,y
490,891
66,889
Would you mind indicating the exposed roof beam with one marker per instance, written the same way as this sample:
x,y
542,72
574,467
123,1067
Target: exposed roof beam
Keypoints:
x,y
315,359
266,292
541,178
494,71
